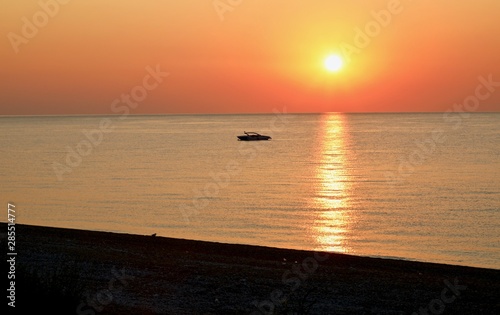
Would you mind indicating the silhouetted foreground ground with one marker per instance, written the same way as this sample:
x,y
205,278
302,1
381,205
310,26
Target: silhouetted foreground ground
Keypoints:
x,y
64,271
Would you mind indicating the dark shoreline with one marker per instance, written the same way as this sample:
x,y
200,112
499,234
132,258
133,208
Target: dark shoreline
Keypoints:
x,y
90,272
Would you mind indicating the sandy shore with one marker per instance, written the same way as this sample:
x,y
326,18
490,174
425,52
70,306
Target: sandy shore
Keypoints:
x,y
85,272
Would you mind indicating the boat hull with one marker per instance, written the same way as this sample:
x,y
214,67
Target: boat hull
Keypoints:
x,y
253,138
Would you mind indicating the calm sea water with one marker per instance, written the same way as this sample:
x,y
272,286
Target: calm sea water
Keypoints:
x,y
413,186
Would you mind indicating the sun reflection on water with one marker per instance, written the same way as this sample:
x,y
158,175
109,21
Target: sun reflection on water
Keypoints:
x,y
332,192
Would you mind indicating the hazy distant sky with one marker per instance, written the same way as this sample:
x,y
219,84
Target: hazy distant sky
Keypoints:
x,y
239,56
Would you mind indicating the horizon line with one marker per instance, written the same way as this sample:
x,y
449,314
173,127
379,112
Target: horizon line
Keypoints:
x,y
259,113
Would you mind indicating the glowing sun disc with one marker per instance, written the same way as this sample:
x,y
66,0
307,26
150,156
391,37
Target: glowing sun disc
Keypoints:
x,y
333,63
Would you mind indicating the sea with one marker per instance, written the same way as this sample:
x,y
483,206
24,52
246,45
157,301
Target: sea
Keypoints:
x,y
412,186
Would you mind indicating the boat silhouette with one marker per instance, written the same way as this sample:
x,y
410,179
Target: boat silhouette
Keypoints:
x,y
253,136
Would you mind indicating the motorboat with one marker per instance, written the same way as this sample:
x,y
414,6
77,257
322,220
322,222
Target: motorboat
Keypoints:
x,y
252,136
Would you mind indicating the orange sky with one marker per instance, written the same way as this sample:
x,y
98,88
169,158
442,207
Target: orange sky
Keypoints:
x,y
250,56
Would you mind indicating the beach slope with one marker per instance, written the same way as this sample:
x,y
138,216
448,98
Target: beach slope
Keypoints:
x,y
68,271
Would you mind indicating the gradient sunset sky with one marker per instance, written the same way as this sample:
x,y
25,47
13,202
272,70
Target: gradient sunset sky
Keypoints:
x,y
246,56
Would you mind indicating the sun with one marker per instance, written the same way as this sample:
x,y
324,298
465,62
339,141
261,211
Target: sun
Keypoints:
x,y
333,63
